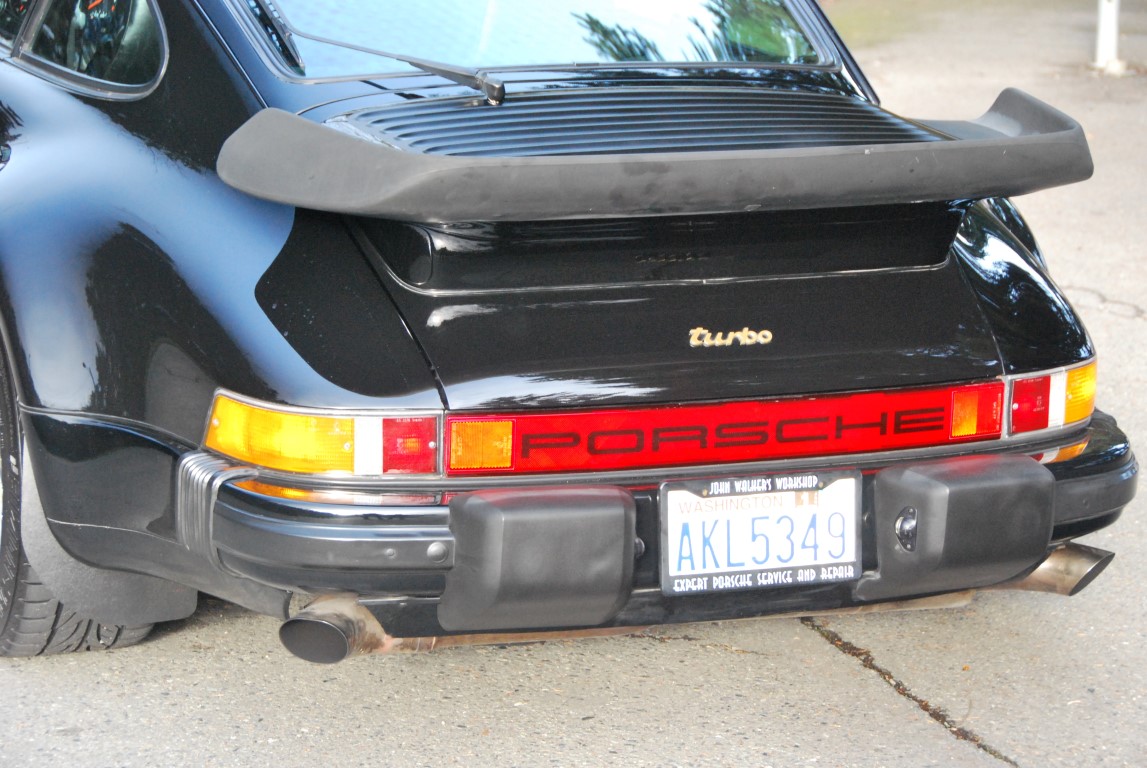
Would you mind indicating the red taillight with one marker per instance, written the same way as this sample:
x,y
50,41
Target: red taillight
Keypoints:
x,y
410,445
726,432
1030,404
365,444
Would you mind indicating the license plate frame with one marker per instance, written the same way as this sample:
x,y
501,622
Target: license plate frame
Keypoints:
x,y
732,503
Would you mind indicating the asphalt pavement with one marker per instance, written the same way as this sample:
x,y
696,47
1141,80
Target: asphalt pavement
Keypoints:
x,y
1010,679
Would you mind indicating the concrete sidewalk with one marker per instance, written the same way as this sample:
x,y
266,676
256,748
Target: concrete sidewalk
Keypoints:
x,y
1044,682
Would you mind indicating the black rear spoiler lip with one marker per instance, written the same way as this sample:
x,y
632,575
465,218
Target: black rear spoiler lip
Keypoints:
x,y
1020,145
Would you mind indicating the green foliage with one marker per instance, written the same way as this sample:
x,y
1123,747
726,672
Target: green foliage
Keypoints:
x,y
751,30
740,30
617,43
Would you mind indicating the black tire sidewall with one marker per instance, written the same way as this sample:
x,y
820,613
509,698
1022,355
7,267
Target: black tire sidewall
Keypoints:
x,y
11,553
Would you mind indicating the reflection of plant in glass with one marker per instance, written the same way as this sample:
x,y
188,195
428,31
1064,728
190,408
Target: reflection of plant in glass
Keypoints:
x,y
617,43
748,29
741,30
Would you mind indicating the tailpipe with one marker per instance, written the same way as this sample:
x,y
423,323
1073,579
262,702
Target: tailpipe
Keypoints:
x,y
1066,571
336,627
333,628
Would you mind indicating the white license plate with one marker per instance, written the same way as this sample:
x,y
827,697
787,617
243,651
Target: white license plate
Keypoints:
x,y
759,532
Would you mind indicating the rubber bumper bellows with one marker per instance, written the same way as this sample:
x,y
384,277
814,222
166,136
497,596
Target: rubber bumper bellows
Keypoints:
x,y
539,558
978,521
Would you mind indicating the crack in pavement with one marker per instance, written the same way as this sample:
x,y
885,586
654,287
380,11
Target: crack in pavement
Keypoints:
x,y
934,712
1089,298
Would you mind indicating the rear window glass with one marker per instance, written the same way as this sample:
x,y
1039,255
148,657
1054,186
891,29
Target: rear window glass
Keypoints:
x,y
508,33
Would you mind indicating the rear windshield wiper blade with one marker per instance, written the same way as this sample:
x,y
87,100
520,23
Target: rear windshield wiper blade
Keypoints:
x,y
492,87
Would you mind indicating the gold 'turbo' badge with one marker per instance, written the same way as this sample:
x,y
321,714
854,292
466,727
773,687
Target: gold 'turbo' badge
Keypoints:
x,y
703,337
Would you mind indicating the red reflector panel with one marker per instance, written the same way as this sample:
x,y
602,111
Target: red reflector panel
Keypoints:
x,y
734,432
409,445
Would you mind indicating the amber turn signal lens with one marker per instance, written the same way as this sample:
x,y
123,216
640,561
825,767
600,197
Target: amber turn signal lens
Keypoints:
x,y
1080,400
976,412
486,444
291,442
296,440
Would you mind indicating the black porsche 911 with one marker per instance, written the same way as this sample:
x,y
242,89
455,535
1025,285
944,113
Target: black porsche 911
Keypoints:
x,y
404,321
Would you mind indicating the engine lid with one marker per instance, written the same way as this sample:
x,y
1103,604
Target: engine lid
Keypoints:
x,y
734,314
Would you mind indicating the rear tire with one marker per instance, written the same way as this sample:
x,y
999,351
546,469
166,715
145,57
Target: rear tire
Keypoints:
x,y
37,624
32,621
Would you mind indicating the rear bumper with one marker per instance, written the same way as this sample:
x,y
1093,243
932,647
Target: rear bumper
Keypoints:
x,y
992,518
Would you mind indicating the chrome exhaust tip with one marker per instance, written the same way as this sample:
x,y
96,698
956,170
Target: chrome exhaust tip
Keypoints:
x,y
331,629
1066,571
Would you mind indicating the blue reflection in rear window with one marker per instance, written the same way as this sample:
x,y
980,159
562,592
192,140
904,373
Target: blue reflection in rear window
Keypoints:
x,y
507,33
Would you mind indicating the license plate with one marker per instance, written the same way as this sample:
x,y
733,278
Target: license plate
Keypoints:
x,y
759,532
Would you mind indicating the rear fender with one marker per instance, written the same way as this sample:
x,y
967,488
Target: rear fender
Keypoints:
x,y
1033,324
115,597
132,285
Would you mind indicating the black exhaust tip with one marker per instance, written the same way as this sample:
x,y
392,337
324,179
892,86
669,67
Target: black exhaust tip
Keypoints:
x,y
318,640
332,628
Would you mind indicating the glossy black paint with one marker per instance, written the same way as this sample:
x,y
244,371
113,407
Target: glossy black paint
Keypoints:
x,y
1033,323
106,489
104,278
129,276
209,226
472,258
71,304
625,342
133,283
317,290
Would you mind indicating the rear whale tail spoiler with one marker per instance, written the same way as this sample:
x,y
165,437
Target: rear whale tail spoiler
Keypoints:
x,y
1020,145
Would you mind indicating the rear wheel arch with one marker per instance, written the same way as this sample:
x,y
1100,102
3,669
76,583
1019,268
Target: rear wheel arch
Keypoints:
x,y
49,608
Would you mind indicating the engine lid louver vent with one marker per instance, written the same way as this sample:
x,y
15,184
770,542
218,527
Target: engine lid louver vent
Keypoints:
x,y
634,120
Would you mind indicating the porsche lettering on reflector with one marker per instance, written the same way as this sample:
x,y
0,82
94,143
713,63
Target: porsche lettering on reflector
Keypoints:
x,y
665,436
